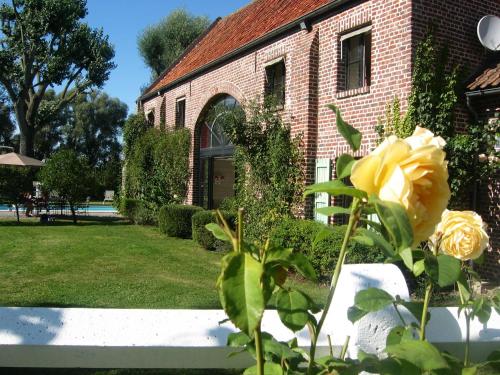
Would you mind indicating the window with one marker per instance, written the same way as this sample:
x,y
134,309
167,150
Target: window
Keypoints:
x,y
180,113
275,81
151,117
356,58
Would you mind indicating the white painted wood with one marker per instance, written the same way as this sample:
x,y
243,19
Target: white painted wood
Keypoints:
x,y
107,338
323,174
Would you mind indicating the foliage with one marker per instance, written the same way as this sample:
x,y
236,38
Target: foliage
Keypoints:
x,y
205,238
431,105
7,127
161,44
45,43
68,175
301,236
394,123
175,220
15,183
134,128
252,273
269,164
157,167
137,212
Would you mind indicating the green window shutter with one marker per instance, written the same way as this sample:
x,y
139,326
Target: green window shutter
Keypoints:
x,y
323,174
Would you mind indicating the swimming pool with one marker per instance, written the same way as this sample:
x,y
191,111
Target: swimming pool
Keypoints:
x,y
91,208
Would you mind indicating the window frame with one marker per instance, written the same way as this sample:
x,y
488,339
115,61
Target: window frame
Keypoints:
x,y
270,86
180,118
364,36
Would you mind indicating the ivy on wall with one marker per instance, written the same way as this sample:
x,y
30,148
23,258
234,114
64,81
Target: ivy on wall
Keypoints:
x,y
156,163
432,104
269,165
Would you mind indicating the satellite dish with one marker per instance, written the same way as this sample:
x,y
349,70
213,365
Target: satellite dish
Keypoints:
x,y
488,30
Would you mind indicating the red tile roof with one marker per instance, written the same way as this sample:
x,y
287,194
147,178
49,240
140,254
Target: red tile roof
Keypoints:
x,y
237,30
488,77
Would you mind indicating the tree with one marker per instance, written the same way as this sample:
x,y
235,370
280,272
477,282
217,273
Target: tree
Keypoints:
x,y
7,127
68,175
15,183
161,44
45,43
94,127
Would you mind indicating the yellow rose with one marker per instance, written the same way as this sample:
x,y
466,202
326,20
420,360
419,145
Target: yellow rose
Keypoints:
x,y
461,234
412,172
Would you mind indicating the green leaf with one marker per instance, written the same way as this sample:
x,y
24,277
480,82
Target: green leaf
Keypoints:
x,y
419,353
354,314
449,270
344,166
373,239
269,369
292,309
335,188
303,266
416,309
238,339
218,232
397,224
482,309
350,134
407,256
470,370
372,299
463,286
431,267
240,286
399,334
274,348
333,210
418,267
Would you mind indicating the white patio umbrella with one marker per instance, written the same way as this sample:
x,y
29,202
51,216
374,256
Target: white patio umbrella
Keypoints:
x,y
19,160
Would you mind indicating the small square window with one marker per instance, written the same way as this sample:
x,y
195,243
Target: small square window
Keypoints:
x,y
275,81
180,113
356,59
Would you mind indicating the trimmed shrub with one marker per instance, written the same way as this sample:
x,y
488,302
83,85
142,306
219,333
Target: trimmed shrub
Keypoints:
x,y
205,238
128,207
175,220
300,235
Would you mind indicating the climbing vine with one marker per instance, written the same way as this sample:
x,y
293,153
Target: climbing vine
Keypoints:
x,y
432,104
268,161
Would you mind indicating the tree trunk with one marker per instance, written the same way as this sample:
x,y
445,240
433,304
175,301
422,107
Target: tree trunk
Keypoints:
x,y
27,144
17,213
73,212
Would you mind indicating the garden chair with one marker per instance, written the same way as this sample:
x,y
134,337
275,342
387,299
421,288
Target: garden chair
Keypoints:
x,y
109,196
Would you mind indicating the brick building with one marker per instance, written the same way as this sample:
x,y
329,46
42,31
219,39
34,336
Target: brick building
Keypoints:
x,y
357,54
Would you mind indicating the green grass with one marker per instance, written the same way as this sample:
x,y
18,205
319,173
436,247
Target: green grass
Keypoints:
x,y
107,264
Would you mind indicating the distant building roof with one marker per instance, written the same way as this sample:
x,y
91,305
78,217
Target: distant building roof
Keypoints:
x,y
488,76
229,34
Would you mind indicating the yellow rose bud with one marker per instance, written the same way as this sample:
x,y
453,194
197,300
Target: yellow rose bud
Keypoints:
x,y
461,234
412,172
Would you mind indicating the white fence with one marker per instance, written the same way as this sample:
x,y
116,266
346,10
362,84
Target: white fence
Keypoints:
x,y
106,338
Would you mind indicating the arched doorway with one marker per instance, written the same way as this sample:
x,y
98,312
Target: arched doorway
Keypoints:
x,y
215,155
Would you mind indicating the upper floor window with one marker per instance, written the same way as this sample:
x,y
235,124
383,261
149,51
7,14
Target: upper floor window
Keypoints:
x,y
356,58
151,117
180,113
275,81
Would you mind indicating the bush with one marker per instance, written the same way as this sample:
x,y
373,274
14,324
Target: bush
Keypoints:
x,y
300,235
137,212
175,220
202,236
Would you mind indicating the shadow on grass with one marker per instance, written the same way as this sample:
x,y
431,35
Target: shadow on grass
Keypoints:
x,y
65,221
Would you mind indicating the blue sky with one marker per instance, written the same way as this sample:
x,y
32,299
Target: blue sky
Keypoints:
x,y
123,20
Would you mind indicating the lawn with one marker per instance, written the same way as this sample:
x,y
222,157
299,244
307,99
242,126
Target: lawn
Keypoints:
x,y
107,264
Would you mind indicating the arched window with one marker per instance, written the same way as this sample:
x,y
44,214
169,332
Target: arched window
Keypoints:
x,y
212,137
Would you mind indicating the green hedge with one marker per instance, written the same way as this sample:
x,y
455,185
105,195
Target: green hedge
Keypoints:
x,y
175,220
205,238
300,235
137,211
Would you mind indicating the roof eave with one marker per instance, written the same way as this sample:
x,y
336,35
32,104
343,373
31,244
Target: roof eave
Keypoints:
x,y
484,92
241,50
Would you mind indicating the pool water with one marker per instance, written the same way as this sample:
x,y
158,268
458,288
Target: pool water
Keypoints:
x,y
91,208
